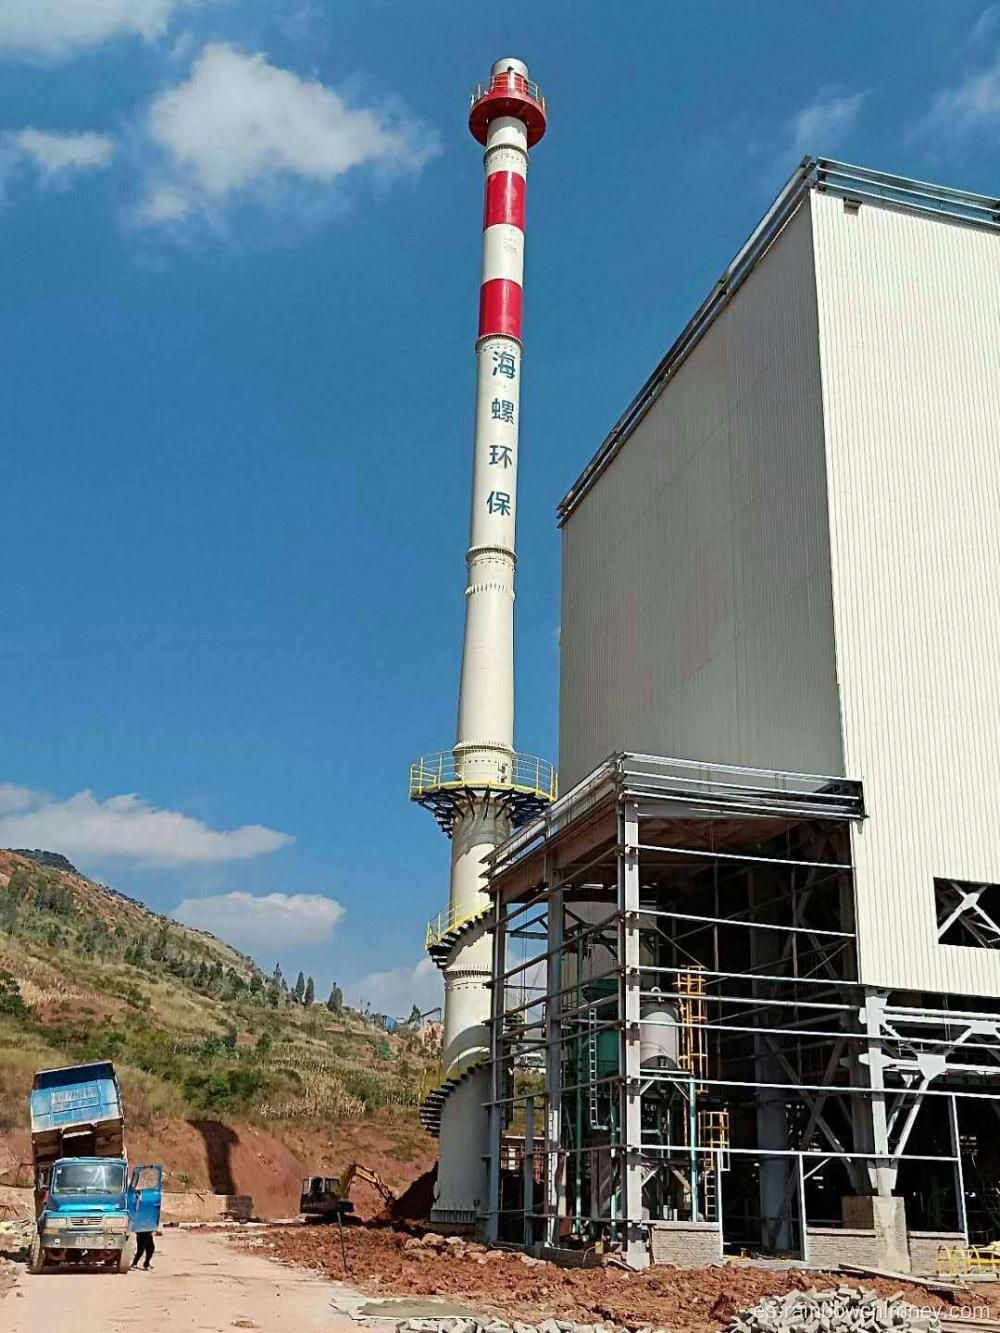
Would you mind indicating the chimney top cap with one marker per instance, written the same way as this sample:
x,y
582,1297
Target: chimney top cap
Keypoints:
x,y
508,63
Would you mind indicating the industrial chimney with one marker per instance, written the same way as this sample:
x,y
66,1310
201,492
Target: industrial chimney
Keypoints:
x,y
482,788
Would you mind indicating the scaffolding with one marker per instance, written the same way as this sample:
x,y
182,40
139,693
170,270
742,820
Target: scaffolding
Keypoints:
x,y
681,1042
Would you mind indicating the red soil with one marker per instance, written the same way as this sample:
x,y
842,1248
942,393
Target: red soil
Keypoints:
x,y
414,1204
267,1164
513,1286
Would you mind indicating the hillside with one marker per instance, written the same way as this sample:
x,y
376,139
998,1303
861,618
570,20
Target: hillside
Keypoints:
x,y
221,1068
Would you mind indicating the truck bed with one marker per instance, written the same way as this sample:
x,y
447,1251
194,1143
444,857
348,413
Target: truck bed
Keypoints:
x,y
76,1112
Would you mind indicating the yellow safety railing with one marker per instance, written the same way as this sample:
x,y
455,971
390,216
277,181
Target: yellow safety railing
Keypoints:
x,y
451,919
436,1077
690,987
969,1260
432,1078
442,771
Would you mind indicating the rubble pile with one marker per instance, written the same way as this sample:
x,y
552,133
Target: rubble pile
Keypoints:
x,y
414,1204
15,1237
498,1326
502,1289
843,1309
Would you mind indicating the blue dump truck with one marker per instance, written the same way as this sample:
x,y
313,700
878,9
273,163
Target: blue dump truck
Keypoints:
x,y
88,1204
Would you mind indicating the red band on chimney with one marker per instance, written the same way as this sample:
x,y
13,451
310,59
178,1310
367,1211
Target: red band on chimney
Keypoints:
x,y
504,199
500,303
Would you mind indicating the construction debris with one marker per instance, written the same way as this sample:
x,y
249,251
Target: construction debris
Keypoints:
x,y
842,1309
15,1236
932,1284
460,1325
509,1294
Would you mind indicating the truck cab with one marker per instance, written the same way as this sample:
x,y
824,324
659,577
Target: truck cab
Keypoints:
x,y
84,1213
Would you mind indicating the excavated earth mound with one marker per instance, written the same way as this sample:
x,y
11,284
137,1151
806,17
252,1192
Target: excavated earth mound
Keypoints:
x,y
414,1204
516,1287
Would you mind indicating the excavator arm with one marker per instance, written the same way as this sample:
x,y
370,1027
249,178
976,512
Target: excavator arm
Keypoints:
x,y
358,1172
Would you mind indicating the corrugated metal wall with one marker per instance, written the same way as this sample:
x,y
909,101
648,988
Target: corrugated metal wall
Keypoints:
x,y
697,619
909,319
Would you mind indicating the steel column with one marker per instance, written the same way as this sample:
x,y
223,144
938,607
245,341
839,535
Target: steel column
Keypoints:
x,y
555,1183
496,1107
634,1247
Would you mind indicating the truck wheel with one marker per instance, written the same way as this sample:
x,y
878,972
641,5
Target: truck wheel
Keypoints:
x,y
125,1257
36,1256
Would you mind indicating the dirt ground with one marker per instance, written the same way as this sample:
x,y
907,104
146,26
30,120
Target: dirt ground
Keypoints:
x,y
205,1282
388,1262
198,1284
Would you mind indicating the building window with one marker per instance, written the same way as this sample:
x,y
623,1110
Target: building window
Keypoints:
x,y
968,913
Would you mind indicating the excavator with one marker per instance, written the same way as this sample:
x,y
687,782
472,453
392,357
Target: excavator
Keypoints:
x,y
326,1198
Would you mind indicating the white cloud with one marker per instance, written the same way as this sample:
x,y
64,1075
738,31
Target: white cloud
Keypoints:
x,y
55,154
265,924
241,127
984,29
397,990
822,125
127,827
971,104
56,28
14,798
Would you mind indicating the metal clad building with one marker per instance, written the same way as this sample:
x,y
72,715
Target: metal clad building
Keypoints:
x,y
785,555
909,336
697,619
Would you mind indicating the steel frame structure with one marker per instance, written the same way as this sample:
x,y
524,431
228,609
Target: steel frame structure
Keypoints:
x,y
679,1035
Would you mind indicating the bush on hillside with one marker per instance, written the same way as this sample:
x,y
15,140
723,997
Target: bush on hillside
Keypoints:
x,y
223,1092
11,1001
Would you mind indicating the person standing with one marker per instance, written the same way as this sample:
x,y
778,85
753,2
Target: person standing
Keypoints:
x,y
144,1249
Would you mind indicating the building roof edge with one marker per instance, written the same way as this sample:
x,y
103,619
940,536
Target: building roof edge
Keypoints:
x,y
813,173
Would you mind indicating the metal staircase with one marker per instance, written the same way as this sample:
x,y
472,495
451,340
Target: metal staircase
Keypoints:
x,y
433,1100
447,928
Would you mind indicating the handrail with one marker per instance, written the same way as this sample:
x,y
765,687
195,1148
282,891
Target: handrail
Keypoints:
x,y
444,771
509,81
456,915
438,1076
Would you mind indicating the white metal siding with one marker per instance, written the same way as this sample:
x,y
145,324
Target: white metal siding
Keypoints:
x,y
909,321
697,618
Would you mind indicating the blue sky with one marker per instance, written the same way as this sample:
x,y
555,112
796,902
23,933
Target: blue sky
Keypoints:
x,y
239,283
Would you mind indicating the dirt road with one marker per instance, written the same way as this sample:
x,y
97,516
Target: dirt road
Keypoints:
x,y
198,1284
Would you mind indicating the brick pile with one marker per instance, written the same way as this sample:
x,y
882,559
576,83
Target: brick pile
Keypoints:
x,y
842,1309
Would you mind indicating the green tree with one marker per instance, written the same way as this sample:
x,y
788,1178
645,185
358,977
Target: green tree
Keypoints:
x,y
136,952
230,1039
277,977
310,995
300,988
19,883
335,1003
10,997
415,1015
159,950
